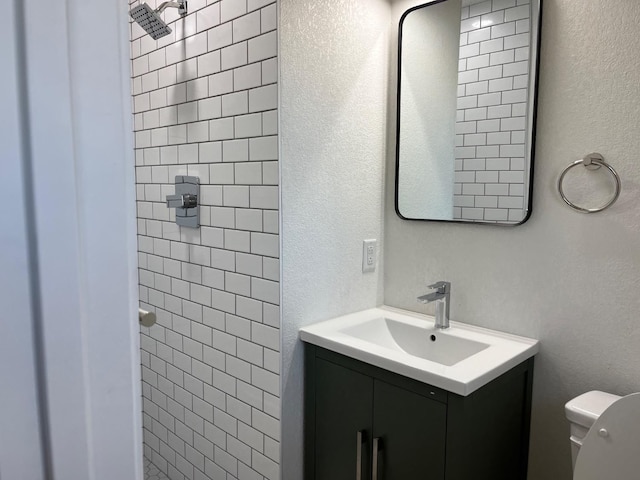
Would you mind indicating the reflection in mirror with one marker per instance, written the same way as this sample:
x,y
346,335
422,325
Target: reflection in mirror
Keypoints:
x,y
466,110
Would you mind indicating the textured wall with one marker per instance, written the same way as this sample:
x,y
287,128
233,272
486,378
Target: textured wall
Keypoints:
x,y
205,104
333,117
569,279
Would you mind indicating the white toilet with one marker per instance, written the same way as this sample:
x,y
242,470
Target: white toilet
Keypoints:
x,y
605,436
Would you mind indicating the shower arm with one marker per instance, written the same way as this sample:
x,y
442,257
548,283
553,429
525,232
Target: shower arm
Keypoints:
x,y
180,5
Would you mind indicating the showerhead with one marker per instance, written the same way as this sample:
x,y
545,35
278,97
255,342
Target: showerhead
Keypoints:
x,y
150,19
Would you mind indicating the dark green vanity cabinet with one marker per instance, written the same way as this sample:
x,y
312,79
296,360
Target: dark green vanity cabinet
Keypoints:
x,y
421,432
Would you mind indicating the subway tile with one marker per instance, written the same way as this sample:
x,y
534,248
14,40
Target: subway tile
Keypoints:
x,y
195,45
208,17
517,13
489,151
470,76
237,240
270,221
268,18
234,55
522,54
270,71
224,260
503,30
248,219
270,173
501,84
469,24
249,76
212,237
264,465
503,4
500,111
246,27
222,174
197,89
248,173
248,125
493,18
221,129
223,217
512,151
495,214
219,37
255,4
235,104
263,98
523,26
221,83
187,70
235,151
210,152
267,381
470,50
505,56
222,301
230,9
516,68
477,88
188,112
266,197
515,41
263,148
209,63
265,290
479,61
198,132
474,37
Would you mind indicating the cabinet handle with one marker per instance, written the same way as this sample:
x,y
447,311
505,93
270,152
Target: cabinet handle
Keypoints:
x,y
360,438
376,454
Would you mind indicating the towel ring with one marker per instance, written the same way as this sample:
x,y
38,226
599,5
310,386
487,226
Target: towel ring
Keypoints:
x,y
593,161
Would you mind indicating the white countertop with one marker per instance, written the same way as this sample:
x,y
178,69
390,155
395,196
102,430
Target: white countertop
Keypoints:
x,y
363,336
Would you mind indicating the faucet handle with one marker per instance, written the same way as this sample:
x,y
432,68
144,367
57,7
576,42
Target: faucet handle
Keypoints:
x,y
441,287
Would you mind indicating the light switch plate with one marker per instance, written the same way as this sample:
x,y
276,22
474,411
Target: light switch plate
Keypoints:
x,y
369,255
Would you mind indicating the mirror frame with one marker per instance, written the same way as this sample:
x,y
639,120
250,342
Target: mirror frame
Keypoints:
x,y
533,96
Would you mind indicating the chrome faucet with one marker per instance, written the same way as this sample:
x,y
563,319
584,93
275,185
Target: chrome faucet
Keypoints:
x,y
442,297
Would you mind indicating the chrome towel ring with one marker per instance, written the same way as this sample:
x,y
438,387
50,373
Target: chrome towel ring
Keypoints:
x,y
593,161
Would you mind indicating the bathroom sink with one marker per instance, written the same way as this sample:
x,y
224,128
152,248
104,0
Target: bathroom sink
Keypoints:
x,y
460,359
421,341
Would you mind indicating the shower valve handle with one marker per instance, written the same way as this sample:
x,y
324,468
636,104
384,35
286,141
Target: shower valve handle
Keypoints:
x,y
182,201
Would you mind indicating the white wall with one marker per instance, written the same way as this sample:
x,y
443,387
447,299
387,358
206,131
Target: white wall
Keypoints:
x,y
428,111
21,449
76,201
333,119
569,279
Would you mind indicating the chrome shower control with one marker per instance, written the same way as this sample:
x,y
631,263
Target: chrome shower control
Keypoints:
x,y
185,201
182,201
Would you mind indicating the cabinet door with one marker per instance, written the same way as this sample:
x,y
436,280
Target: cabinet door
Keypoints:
x,y
343,408
412,433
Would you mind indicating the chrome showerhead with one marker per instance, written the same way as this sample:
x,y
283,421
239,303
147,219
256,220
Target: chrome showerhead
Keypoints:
x,y
150,19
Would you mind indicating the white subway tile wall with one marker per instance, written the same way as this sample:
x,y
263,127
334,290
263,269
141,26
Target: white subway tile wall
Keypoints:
x,y
491,117
205,104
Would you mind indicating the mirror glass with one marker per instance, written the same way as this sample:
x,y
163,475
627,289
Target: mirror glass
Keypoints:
x,y
466,111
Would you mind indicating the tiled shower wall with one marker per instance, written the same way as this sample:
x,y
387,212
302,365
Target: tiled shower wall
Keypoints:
x,y
205,104
491,116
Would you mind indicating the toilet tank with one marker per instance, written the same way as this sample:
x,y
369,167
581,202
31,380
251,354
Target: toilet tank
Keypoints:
x,y
582,412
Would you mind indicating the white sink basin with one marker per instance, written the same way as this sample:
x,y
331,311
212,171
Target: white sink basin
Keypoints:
x,y
460,359
422,341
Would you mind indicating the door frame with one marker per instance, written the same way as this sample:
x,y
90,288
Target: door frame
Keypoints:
x,y
79,286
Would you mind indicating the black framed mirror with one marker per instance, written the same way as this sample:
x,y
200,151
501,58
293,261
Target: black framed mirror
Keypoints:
x,y
467,86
